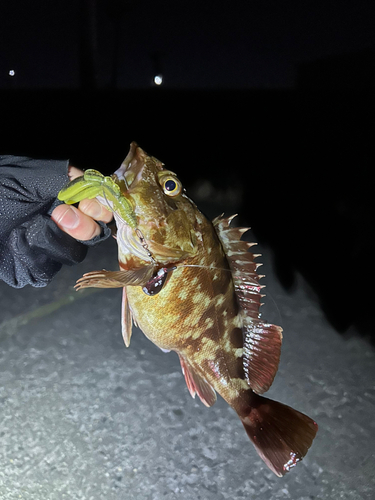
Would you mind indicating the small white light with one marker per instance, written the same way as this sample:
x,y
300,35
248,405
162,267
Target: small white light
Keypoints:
x,y
158,79
12,72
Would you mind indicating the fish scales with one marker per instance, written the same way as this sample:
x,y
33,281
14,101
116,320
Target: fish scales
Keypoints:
x,y
210,325
192,287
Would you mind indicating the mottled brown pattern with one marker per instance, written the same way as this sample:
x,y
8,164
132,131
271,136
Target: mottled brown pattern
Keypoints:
x,y
211,297
196,315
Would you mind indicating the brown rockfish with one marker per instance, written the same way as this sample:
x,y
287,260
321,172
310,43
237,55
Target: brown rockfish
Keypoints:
x,y
192,287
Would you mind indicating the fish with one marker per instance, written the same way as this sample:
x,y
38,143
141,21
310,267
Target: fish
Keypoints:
x,y
191,285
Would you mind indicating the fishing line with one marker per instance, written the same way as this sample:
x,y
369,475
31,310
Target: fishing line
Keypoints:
x,y
279,320
144,244
213,268
269,295
204,267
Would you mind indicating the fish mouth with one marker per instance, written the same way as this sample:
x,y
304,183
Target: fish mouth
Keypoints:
x,y
136,165
137,241
131,169
128,175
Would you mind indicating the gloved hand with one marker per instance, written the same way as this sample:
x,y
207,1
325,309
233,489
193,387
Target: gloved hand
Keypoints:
x,y
80,223
34,246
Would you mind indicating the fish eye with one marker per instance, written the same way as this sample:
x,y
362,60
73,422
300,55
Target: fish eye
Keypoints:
x,y
171,186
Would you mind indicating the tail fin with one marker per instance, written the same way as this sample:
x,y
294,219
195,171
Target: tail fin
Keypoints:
x,y
280,434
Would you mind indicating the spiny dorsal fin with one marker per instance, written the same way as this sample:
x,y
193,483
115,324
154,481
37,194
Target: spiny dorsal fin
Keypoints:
x,y
262,341
242,264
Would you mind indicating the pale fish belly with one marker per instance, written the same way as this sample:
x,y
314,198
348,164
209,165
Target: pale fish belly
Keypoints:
x,y
172,316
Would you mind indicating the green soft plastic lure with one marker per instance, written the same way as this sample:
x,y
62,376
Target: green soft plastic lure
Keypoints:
x,y
93,184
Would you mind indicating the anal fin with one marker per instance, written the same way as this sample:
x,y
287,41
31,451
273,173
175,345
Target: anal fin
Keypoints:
x,y
197,384
261,354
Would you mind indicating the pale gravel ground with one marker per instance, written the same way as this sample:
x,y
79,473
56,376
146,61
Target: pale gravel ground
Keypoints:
x,y
84,418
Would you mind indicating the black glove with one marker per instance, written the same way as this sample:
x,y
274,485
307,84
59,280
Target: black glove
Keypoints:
x,y
32,247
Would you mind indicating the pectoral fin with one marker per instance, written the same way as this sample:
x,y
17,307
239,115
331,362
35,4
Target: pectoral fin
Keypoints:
x,y
196,384
126,319
115,279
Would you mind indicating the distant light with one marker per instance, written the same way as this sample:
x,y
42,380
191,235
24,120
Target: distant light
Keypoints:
x,y
158,79
12,72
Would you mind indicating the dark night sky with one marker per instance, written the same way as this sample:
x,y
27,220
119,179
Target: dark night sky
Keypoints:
x,y
208,44
323,137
